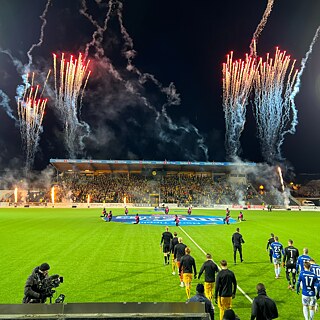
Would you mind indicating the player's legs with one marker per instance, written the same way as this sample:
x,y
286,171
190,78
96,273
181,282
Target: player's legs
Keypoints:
x,y
276,263
224,303
187,278
312,305
270,255
311,313
235,254
308,304
165,257
180,274
240,252
294,277
279,268
209,289
173,265
166,253
288,271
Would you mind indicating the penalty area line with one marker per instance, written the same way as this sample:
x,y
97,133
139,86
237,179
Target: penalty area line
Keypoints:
x,y
215,262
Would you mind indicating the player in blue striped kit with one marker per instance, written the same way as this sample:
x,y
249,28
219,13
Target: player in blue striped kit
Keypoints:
x,y
277,253
308,282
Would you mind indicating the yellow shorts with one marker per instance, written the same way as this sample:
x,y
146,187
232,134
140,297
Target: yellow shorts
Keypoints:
x,y
224,303
187,278
209,289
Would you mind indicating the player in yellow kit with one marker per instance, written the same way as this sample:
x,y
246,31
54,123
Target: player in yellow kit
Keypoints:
x,y
187,265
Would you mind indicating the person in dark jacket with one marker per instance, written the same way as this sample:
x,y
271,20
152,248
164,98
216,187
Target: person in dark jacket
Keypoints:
x,y
230,315
263,307
200,297
210,269
237,242
173,243
33,289
226,287
269,249
165,244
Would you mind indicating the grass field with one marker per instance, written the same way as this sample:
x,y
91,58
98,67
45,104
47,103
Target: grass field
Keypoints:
x,y
114,262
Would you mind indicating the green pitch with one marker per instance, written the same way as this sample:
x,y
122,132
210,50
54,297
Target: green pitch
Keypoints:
x,y
114,262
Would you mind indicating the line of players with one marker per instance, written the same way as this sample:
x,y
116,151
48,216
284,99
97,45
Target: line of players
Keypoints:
x,y
183,263
294,263
289,257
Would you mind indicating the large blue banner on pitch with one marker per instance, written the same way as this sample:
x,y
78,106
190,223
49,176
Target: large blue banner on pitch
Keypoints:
x,y
168,220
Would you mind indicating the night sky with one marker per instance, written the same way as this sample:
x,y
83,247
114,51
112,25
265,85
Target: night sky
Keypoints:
x,y
182,45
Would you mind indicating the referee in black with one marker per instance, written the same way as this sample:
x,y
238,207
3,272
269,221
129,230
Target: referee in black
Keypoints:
x,y
270,240
237,242
165,243
173,243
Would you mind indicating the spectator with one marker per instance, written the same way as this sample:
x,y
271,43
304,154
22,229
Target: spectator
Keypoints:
x,y
263,307
200,297
230,315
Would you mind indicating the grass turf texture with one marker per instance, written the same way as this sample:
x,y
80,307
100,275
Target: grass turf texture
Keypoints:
x,y
115,262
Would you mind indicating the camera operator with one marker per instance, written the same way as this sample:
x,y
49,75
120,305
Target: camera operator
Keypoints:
x,y
34,288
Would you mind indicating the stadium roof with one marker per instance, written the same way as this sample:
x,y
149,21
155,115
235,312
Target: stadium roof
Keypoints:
x,y
72,165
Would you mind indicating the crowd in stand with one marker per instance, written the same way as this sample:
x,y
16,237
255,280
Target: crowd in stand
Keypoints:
x,y
309,190
181,189
103,188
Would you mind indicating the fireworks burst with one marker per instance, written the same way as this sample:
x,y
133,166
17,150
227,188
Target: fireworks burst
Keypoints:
x,y
281,178
274,109
238,77
260,27
31,109
70,80
52,195
177,132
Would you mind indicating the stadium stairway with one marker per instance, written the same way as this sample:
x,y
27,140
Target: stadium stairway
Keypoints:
x,y
6,194
294,201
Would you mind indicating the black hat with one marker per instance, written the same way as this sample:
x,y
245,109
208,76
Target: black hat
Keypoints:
x,y
44,267
200,288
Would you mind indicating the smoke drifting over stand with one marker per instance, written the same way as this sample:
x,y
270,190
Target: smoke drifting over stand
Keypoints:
x,y
153,91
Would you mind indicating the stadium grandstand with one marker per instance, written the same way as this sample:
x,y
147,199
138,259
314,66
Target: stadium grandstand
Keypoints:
x,y
150,183
146,184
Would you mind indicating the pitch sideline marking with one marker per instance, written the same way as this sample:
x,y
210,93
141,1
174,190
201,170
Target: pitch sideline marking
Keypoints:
x,y
217,264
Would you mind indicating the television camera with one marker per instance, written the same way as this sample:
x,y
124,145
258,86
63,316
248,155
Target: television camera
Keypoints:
x,y
48,287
